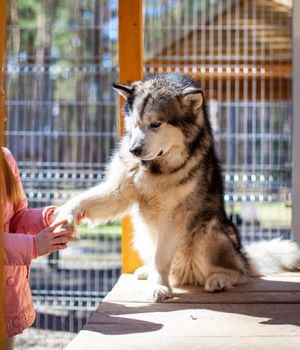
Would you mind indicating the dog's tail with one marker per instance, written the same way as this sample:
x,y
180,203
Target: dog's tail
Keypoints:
x,y
271,257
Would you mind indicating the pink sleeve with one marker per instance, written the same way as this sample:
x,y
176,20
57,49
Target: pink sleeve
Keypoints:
x,y
18,249
26,220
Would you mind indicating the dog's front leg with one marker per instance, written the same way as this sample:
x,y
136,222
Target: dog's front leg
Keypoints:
x,y
102,203
107,201
159,274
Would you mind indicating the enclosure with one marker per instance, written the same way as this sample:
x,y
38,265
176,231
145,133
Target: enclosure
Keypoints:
x,y
63,123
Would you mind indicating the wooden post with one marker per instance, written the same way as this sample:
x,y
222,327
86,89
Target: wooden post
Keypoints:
x,y
296,123
2,188
131,69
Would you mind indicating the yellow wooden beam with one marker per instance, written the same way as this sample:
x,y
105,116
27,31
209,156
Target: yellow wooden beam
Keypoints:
x,y
131,69
2,187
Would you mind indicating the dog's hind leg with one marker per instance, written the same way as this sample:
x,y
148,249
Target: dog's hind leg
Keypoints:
x,y
219,261
221,279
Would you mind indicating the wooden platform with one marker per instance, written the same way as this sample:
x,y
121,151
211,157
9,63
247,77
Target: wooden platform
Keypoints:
x,y
263,314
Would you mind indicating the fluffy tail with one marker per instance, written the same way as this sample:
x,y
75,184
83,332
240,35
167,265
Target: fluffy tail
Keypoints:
x,y
271,257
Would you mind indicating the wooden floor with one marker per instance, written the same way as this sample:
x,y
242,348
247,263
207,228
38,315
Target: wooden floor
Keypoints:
x,y
263,314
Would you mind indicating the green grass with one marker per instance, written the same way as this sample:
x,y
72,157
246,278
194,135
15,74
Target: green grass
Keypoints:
x,y
108,231
270,214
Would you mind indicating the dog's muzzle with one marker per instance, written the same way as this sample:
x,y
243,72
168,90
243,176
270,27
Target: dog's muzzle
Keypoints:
x,y
136,150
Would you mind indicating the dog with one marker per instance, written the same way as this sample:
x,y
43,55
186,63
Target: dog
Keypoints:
x,y
166,174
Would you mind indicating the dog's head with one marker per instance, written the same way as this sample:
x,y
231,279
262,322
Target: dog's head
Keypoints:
x,y
162,114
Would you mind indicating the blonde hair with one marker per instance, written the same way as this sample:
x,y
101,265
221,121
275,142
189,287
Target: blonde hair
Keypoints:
x,y
12,187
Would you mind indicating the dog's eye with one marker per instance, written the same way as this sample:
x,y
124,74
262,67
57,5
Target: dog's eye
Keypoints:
x,y
155,125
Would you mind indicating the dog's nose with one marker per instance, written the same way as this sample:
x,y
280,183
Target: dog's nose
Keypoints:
x,y
136,151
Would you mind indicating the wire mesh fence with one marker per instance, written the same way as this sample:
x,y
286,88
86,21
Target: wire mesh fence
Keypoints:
x,y
240,52
62,59
62,127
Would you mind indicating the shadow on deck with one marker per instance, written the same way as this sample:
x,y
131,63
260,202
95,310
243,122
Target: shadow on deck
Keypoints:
x,y
262,314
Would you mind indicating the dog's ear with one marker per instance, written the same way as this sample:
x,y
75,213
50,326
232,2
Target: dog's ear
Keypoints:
x,y
123,89
192,96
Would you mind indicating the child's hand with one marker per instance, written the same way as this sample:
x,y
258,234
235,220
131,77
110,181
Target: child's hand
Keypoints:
x,y
49,241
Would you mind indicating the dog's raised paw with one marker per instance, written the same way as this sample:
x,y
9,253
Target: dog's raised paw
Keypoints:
x,y
217,282
66,213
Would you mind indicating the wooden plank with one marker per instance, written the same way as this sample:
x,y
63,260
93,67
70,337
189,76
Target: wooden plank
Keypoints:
x,y
221,298
197,319
151,324
131,69
276,289
264,314
95,341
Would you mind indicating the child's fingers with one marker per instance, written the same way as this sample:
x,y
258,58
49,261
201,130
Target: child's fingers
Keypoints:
x,y
63,231
54,225
59,247
60,240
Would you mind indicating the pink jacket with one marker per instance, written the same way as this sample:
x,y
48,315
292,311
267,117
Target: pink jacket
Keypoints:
x,y
20,226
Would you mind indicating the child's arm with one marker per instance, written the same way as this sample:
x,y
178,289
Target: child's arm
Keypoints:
x,y
30,221
20,249
26,220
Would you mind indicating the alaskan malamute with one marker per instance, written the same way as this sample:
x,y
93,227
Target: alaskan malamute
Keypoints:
x,y
167,175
